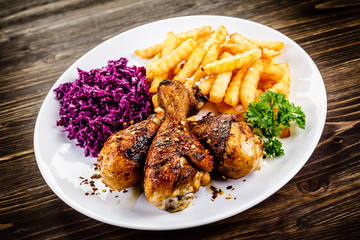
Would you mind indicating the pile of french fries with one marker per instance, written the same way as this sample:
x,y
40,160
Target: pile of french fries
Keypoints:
x,y
231,70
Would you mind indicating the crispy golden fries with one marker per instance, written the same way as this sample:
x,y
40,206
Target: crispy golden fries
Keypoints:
x,y
217,37
274,45
157,109
192,118
196,34
246,68
156,81
221,83
250,82
150,75
219,87
269,53
150,51
169,44
233,62
196,77
271,70
265,84
232,95
285,132
178,67
224,108
207,84
166,63
234,48
191,65
212,54
283,86
154,101
240,39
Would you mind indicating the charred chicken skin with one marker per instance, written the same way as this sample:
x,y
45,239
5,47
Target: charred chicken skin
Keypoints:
x,y
121,160
236,149
176,164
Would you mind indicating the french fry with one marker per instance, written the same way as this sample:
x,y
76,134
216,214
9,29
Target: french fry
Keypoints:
x,y
234,48
233,62
154,101
153,60
212,54
157,80
240,39
285,132
169,44
178,67
201,41
191,65
149,52
283,86
167,62
217,36
192,118
149,74
265,84
197,76
244,71
274,45
158,110
271,70
232,95
195,34
189,82
240,109
249,83
269,53
220,84
224,108
207,84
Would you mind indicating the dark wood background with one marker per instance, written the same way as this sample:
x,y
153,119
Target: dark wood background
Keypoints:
x,y
40,39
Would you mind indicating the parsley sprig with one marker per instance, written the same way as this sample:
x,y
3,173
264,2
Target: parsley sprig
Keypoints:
x,y
269,115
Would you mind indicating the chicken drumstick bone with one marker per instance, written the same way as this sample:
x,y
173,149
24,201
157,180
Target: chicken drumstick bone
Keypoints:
x,y
176,164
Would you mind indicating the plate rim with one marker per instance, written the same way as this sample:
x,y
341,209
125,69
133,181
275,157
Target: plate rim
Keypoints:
x,y
56,189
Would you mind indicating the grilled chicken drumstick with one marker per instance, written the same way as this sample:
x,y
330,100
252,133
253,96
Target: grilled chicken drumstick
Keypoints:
x,y
121,160
176,164
236,149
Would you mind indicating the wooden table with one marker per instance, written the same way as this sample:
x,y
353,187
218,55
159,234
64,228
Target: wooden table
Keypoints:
x,y
40,39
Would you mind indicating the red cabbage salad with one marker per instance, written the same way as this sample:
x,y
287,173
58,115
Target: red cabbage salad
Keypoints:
x,y
101,102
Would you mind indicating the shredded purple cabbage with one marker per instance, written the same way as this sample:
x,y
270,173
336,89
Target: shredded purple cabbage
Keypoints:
x,y
102,102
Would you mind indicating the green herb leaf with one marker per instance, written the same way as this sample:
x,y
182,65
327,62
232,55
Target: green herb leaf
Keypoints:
x,y
273,147
267,117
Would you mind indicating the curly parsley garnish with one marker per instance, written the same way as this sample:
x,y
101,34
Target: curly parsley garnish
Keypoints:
x,y
269,115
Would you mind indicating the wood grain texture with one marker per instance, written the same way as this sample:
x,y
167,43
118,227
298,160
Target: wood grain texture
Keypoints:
x,y
40,39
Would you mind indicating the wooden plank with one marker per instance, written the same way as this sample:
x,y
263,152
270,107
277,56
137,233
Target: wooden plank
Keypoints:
x,y
40,39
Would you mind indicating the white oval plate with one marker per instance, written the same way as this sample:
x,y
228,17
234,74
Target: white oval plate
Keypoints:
x,y
61,162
